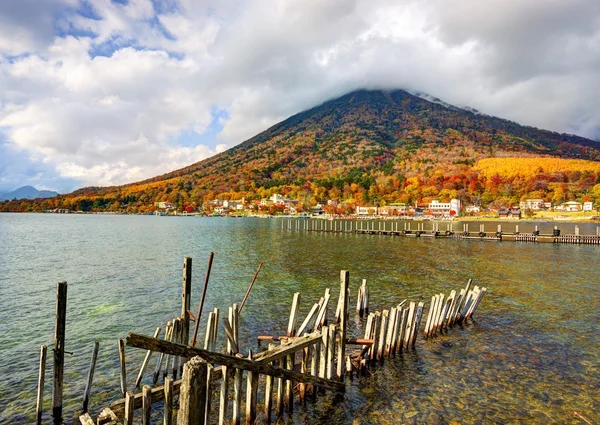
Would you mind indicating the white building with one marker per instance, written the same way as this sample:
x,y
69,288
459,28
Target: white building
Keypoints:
x,y
532,204
363,211
445,208
588,206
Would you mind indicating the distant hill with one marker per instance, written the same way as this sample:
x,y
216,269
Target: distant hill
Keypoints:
x,y
369,147
27,192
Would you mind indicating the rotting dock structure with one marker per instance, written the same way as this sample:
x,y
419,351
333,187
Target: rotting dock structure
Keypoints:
x,y
192,381
450,230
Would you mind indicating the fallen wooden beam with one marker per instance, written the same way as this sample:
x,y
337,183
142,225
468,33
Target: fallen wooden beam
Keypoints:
x,y
162,346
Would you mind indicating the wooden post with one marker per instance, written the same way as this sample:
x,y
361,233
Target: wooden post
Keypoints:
x,y
59,351
121,345
382,334
237,397
175,338
268,393
209,330
207,277
280,391
146,404
324,349
390,332
210,370
376,336
291,329
168,336
168,410
129,408
40,391
417,323
223,401
90,378
145,362
192,395
186,296
343,331
251,395
403,327
289,384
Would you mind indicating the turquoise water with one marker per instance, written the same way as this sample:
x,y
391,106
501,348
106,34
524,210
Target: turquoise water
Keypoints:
x,y
531,356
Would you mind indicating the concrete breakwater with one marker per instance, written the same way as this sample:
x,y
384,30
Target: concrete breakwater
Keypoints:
x,y
453,230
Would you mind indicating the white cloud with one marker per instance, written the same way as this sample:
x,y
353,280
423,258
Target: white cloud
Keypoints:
x,y
101,91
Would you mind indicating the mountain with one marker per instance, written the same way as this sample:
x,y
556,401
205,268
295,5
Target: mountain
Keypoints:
x,y
371,147
27,192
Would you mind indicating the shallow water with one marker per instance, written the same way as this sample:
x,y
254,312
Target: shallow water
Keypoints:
x,y
531,356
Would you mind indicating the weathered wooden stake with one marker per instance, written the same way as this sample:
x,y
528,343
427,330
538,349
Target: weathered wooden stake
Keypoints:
x,y
197,324
121,345
192,396
146,404
343,319
291,329
251,395
145,362
40,391
59,351
186,297
90,378
168,336
168,410
129,408
251,285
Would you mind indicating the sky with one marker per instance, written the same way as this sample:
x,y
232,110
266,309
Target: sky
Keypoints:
x,y
107,92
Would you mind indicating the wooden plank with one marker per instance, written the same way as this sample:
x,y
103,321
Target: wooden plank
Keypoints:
x,y
283,350
90,377
186,297
40,390
481,294
343,320
59,351
308,319
322,315
387,350
146,361
145,342
168,395
86,419
291,328
193,394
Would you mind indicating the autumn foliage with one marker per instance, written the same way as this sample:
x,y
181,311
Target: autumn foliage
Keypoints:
x,y
369,148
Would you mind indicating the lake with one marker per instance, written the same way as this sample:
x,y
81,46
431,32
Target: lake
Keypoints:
x,y
532,355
